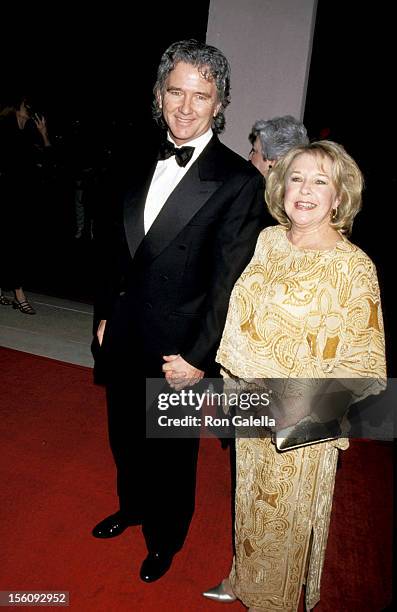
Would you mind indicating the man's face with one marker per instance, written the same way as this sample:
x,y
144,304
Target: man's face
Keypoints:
x,y
189,103
256,158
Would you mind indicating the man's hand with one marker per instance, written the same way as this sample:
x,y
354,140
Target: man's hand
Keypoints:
x,y
100,331
179,373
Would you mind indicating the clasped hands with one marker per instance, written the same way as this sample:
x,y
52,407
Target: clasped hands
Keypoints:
x,y
179,373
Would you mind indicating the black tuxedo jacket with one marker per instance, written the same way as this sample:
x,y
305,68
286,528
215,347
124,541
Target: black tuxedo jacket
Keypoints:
x,y
168,292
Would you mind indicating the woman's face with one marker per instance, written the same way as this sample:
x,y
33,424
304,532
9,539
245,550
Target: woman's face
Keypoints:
x,y
309,191
24,111
256,158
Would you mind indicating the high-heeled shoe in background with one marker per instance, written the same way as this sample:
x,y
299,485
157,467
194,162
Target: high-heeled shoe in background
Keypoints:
x,y
24,307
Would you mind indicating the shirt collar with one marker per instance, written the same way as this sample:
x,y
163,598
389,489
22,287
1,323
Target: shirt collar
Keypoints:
x,y
198,143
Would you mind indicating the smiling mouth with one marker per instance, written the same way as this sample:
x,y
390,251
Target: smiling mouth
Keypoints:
x,y
305,205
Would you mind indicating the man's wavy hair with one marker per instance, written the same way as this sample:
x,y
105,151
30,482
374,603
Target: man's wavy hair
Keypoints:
x,y
210,62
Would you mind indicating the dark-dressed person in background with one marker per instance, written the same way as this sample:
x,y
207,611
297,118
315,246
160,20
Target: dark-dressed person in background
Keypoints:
x,y
190,225
272,139
19,153
305,310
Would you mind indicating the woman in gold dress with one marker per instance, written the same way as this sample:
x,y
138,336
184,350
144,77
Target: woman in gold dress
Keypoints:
x,y
307,307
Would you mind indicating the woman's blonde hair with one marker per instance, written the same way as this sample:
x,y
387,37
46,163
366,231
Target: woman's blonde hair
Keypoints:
x,y
346,177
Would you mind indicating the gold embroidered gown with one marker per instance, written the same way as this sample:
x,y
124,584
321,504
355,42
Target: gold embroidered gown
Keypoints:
x,y
295,314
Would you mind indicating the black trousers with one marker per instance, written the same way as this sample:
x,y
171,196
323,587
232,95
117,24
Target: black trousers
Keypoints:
x,y
156,478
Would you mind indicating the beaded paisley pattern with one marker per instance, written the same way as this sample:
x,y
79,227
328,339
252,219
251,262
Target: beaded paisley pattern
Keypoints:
x,y
304,313
295,314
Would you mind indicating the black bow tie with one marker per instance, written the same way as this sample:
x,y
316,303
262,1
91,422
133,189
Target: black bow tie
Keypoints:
x,y
182,155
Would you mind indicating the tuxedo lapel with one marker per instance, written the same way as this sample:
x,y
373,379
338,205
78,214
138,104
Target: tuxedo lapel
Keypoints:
x,y
183,203
134,207
194,190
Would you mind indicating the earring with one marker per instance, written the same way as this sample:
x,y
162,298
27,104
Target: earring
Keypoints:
x,y
334,214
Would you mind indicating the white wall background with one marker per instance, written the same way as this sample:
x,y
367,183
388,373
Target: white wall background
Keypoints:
x,y
268,44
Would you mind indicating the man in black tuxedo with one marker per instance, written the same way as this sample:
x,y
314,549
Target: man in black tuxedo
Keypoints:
x,y
189,228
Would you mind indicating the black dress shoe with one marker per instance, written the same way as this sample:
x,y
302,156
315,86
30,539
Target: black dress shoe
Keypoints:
x,y
112,526
154,566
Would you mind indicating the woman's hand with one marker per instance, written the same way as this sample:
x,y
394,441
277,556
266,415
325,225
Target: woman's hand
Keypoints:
x,y
40,123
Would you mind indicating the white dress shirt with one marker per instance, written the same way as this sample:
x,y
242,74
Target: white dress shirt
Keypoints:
x,y
167,176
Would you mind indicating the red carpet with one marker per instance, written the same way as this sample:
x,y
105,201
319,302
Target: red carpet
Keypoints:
x,y
57,481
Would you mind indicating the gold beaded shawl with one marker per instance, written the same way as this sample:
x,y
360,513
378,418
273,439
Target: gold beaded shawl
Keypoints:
x,y
305,314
